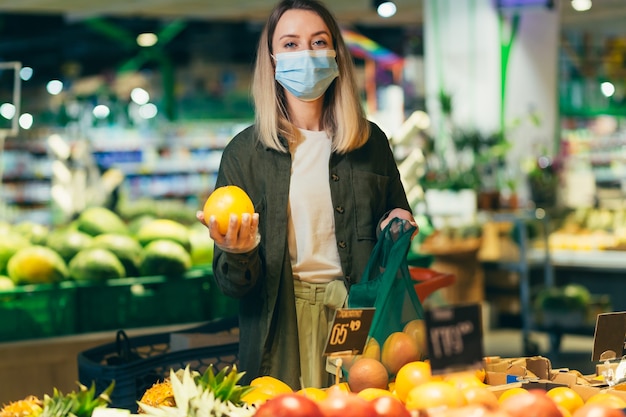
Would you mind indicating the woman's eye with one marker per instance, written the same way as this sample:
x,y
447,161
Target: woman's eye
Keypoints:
x,y
290,45
320,43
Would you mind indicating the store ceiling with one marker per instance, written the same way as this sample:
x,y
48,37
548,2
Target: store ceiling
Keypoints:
x,y
603,13
55,35
409,11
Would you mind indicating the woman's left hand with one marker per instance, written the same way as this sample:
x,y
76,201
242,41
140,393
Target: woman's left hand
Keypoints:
x,y
400,214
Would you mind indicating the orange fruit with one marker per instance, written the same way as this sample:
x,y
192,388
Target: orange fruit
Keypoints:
x,y
480,395
367,373
341,387
564,411
411,375
225,201
481,374
434,394
510,393
371,393
463,379
270,385
566,398
607,399
316,394
256,397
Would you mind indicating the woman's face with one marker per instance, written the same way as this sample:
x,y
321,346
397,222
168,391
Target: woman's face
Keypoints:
x,y
299,30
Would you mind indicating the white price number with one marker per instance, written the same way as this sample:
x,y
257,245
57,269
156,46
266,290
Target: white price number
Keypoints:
x,y
448,340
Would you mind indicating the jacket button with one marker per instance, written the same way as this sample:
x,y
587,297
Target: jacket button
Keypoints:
x,y
342,244
339,209
334,177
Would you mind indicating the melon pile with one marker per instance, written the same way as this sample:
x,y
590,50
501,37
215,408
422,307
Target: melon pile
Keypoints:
x,y
100,245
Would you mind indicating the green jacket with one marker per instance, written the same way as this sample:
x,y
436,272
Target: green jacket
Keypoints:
x,y
364,184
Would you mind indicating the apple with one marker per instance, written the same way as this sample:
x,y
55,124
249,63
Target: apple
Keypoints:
x,y
346,404
387,406
289,405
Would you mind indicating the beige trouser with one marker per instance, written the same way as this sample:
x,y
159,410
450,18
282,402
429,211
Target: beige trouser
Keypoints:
x,y
315,309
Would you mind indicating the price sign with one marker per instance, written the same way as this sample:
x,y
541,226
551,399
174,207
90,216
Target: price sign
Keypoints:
x,y
610,336
349,330
455,337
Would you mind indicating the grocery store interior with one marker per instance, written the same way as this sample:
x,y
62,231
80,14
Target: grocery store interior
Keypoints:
x,y
506,117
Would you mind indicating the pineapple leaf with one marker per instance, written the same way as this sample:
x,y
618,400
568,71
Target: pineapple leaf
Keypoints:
x,y
76,404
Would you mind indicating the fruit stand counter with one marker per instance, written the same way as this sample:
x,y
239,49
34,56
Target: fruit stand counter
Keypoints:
x,y
601,271
34,366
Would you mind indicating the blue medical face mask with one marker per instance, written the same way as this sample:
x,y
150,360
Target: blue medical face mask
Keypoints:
x,y
306,74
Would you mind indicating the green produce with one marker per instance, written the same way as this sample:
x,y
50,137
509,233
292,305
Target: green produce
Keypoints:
x,y
98,220
201,245
572,297
68,242
136,224
6,283
9,244
159,229
126,248
36,233
96,264
36,265
165,257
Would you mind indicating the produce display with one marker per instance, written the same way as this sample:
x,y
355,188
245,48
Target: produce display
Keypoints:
x,y
591,229
101,245
415,392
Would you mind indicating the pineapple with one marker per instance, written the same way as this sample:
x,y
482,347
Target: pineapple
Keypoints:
x,y
30,406
206,395
161,393
75,404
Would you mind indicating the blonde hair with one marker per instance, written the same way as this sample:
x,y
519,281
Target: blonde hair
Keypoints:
x,y
343,117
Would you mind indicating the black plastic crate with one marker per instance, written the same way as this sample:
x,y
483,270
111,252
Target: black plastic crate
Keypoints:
x,y
136,363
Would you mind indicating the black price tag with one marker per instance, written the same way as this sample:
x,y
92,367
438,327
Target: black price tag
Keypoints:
x,y
349,330
455,337
609,337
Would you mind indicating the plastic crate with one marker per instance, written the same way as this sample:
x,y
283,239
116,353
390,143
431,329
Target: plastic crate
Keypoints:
x,y
143,302
219,304
150,360
37,311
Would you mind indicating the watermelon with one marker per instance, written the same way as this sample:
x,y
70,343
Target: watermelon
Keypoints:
x,y
68,242
165,257
160,229
37,265
96,264
98,220
126,248
9,244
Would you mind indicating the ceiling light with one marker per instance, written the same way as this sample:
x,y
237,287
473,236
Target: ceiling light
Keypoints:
x,y
385,8
54,87
147,39
581,5
607,88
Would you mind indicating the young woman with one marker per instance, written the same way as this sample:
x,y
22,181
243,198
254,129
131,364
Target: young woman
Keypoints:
x,y
323,181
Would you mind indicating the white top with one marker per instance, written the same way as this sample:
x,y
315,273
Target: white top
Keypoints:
x,y
311,229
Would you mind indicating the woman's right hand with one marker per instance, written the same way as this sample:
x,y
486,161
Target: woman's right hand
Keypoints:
x,y
238,238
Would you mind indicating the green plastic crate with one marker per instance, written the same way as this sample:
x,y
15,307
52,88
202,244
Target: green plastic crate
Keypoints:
x,y
220,305
143,302
37,311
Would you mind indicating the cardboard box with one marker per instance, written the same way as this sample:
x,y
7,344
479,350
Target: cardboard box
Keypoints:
x,y
183,341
